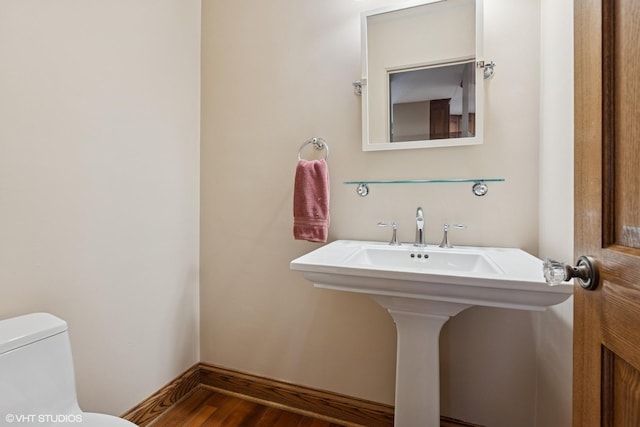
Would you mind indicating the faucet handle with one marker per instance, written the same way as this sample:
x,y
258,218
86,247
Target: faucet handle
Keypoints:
x,y
455,226
445,238
394,236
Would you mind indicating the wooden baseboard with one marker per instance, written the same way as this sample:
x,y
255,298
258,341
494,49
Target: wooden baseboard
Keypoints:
x,y
450,422
156,404
295,398
348,411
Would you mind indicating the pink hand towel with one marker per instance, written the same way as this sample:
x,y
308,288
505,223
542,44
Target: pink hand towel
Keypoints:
x,y
311,201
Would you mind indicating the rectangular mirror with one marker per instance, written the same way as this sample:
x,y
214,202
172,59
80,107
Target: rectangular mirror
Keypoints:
x,y
419,73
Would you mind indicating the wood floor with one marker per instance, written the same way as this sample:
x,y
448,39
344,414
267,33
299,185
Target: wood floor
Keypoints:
x,y
208,408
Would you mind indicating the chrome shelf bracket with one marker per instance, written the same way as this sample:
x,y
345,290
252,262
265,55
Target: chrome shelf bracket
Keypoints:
x,y
489,68
357,87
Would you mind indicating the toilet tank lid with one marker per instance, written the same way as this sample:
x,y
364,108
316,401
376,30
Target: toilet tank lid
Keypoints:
x,y
22,330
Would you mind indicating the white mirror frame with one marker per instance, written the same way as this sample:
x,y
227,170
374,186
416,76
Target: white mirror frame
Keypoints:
x,y
367,145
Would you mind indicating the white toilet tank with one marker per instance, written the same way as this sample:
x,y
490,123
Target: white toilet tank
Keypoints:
x,y
37,382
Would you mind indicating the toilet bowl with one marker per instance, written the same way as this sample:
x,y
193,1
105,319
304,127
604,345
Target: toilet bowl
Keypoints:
x,y
37,382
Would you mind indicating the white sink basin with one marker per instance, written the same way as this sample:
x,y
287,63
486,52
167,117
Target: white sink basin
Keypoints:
x,y
407,258
495,277
422,288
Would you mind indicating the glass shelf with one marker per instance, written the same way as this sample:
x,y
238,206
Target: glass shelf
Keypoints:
x,y
479,184
424,181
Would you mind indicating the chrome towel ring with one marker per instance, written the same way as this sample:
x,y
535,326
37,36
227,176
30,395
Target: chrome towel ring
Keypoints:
x,y
318,144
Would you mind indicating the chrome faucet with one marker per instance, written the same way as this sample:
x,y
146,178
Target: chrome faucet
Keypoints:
x,y
445,238
394,236
419,228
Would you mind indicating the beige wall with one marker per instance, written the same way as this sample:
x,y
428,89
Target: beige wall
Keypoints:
x,y
99,133
273,76
555,327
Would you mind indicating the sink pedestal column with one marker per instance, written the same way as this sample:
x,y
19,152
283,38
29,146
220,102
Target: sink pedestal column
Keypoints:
x,y
418,325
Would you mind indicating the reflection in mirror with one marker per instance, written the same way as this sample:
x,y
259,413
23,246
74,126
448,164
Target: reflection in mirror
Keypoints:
x,y
432,103
419,75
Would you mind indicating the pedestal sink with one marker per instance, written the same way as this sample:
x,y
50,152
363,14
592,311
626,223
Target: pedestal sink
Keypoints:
x,y
422,287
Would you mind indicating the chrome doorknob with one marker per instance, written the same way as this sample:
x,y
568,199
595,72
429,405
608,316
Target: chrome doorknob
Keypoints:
x,y
585,272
